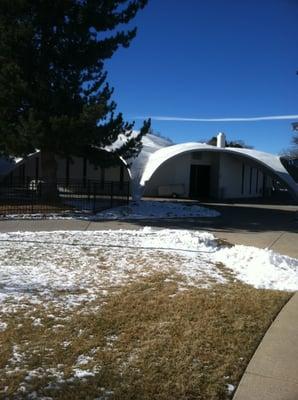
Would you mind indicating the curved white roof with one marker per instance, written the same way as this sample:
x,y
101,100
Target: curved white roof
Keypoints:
x,y
144,166
8,164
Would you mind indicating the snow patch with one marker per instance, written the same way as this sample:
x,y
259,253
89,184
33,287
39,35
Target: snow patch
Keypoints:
x,y
81,373
83,360
260,268
69,268
157,209
230,388
135,210
3,326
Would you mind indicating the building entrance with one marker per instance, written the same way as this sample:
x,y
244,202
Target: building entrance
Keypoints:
x,y
199,184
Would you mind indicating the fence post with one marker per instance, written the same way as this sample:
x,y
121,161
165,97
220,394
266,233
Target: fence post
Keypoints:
x,y
127,198
112,194
94,198
88,190
32,199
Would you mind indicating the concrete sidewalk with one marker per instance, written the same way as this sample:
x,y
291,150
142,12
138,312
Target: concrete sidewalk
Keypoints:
x,y
279,241
259,231
272,373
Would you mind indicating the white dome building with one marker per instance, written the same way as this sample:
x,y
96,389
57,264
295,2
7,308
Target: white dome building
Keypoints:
x,y
187,170
199,170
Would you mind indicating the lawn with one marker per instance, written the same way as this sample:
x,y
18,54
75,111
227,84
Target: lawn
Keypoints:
x,y
81,319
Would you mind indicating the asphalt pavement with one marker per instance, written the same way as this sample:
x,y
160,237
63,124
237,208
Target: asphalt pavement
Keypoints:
x,y
272,227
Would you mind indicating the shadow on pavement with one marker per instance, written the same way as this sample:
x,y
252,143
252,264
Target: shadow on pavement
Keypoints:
x,y
233,218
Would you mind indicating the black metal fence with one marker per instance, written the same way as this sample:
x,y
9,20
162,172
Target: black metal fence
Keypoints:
x,y
38,197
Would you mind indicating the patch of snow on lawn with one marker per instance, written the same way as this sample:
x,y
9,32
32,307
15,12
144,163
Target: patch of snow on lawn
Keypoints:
x,y
16,357
83,360
81,373
157,209
68,268
3,326
260,268
82,265
135,210
230,388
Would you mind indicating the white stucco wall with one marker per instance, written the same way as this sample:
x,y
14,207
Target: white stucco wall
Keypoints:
x,y
173,172
230,178
92,172
176,171
75,170
225,176
230,173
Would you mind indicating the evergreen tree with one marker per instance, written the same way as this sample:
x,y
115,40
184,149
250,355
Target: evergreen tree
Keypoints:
x,y
53,90
293,151
295,144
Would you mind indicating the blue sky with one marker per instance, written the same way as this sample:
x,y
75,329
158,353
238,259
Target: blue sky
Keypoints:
x,y
212,59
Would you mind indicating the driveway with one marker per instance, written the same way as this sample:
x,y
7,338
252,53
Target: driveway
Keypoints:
x,y
264,226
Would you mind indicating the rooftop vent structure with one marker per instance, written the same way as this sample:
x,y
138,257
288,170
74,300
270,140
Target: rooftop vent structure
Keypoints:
x,y
221,140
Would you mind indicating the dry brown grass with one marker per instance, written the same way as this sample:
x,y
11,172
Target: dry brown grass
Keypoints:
x,y
147,340
30,208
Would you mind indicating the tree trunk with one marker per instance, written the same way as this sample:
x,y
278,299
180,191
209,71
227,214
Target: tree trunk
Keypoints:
x,y
49,189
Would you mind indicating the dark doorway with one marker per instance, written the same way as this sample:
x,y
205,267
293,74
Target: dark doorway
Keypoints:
x,y
199,184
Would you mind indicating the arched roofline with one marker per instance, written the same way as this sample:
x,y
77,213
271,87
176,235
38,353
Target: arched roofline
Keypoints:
x,y
125,163
266,160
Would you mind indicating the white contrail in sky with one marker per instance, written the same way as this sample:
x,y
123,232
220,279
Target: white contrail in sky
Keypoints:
x,y
229,119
